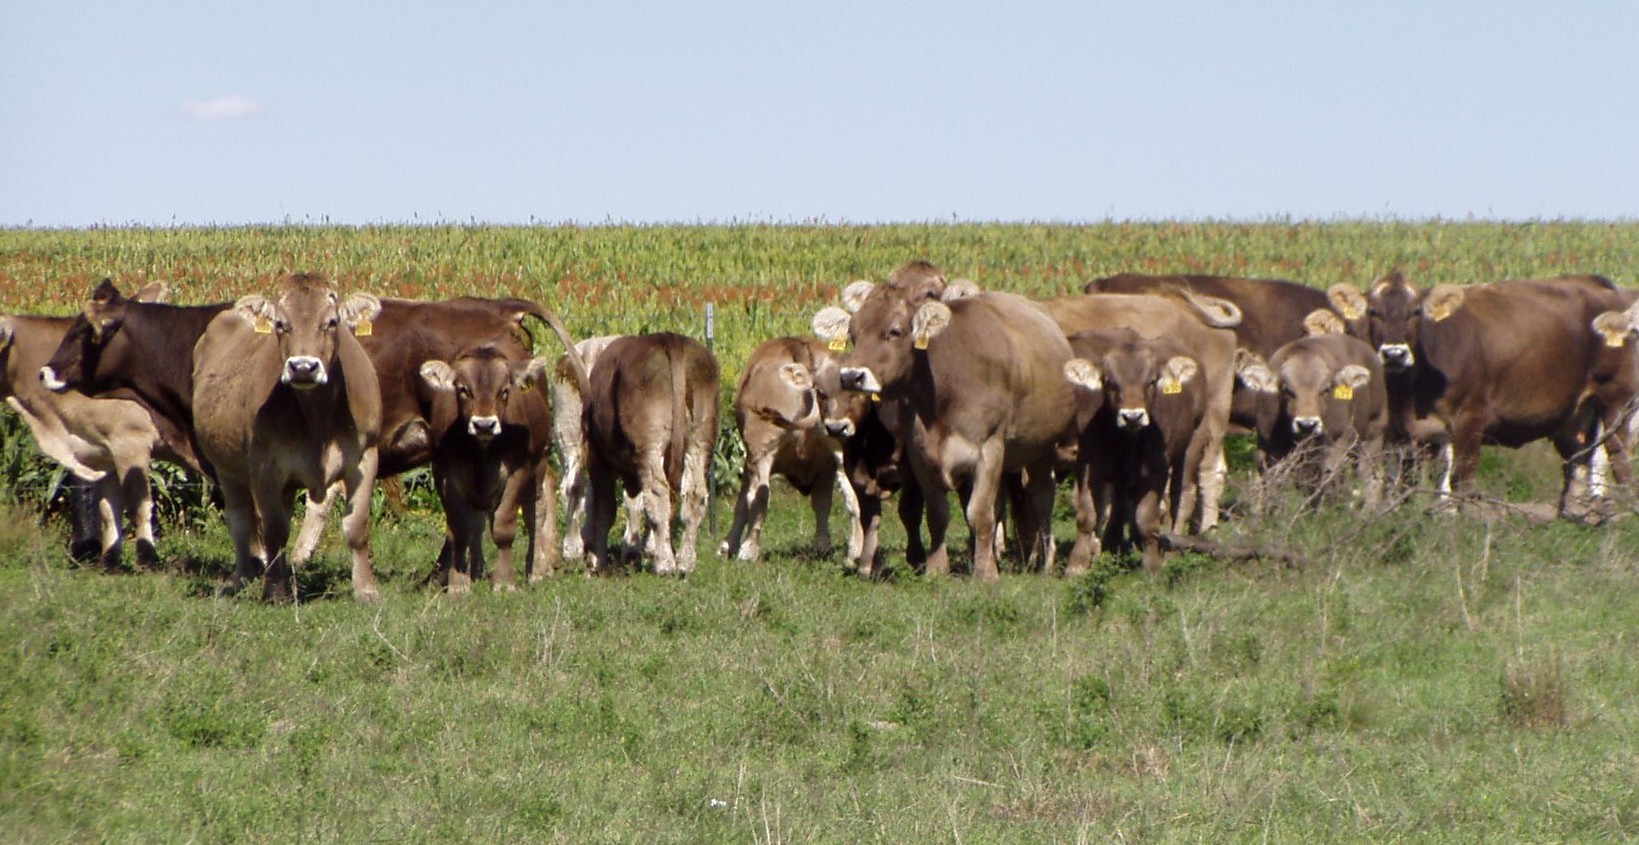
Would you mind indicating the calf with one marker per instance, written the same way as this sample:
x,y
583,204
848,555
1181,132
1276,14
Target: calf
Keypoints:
x,y
569,439
490,460
650,423
284,398
780,416
1326,394
1140,444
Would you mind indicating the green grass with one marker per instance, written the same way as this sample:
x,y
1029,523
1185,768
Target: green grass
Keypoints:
x,y
1419,678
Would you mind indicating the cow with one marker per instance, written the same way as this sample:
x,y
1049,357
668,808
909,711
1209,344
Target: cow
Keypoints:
x,y
1140,403
284,399
145,350
975,393
569,440
780,416
490,458
1324,397
1204,325
1507,363
1272,315
651,423
107,442
873,462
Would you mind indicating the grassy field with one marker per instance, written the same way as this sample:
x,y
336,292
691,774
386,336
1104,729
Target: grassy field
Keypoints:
x,y
1414,677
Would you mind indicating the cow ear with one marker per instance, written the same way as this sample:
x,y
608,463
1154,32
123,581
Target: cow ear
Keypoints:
x,y
1353,377
1254,372
1442,302
1183,368
359,309
960,289
831,324
1347,301
796,376
853,296
928,321
1323,321
531,372
439,376
254,309
106,293
153,292
1083,373
8,331
1614,327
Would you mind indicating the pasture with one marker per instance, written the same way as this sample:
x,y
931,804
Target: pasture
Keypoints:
x,y
1408,677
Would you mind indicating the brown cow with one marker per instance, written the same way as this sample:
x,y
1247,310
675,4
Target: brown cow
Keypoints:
x,y
780,416
1203,324
1507,363
285,399
109,442
490,459
569,439
651,422
976,394
1140,403
1326,394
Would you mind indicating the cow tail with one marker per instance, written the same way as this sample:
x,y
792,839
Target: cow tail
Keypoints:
x,y
576,362
680,419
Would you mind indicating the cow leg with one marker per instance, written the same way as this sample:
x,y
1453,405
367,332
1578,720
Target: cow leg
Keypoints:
x,y
1039,490
981,510
314,518
239,512
1369,454
600,517
1215,469
819,501
1087,522
750,509
850,503
1147,520
503,526
692,504
870,524
273,513
575,494
936,509
139,508
657,509
360,483
87,538
110,500
912,506
541,519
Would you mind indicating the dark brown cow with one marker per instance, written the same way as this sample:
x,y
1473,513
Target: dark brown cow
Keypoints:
x,y
978,394
109,442
490,459
1140,403
1203,325
651,422
285,399
144,350
780,416
1507,363
1327,394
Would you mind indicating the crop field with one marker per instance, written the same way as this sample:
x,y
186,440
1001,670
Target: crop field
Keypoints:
x,y
1413,675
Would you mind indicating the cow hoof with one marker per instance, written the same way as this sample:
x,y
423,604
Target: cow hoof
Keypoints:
x,y
110,561
367,595
148,556
85,551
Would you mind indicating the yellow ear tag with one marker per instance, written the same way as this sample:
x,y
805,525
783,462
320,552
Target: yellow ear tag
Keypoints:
x,y
526,387
838,344
921,341
1440,312
264,325
1350,312
876,397
1616,340
1171,386
1343,392
363,328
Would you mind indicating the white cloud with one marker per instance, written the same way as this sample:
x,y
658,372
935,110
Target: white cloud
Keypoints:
x,y
231,107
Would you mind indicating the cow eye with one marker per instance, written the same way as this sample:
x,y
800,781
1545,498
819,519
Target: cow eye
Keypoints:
x,y
281,326
895,332
505,392
330,325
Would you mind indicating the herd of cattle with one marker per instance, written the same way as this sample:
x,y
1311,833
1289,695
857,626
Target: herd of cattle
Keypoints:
x,y
918,386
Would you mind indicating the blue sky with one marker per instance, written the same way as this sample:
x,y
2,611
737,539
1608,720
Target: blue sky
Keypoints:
x,y
229,112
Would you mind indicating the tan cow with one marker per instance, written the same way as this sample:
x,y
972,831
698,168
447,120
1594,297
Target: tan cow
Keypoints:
x,y
569,439
285,398
109,442
492,438
780,416
978,394
651,423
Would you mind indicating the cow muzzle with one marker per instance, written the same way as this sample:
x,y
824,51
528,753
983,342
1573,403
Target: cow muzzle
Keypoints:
x,y
840,428
1396,356
1307,426
304,372
484,428
1133,419
48,377
860,380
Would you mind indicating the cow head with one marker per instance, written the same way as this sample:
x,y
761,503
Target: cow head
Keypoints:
x,y
1312,395
94,336
1386,317
1617,328
1134,379
887,331
306,319
483,382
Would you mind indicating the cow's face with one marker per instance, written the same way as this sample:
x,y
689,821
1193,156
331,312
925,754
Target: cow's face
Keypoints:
x,y
306,319
93,336
483,382
1393,311
1316,398
887,333
1135,379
